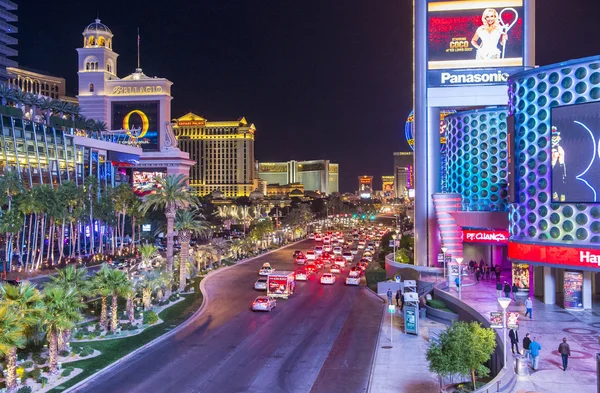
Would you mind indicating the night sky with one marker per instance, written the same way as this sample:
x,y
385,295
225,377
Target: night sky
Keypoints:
x,y
321,79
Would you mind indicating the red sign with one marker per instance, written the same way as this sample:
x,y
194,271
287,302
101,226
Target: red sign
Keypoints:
x,y
498,236
555,255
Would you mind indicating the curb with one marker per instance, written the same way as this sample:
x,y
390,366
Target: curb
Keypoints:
x,y
170,333
376,351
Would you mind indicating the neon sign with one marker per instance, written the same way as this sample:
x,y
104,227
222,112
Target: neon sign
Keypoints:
x,y
135,90
484,236
555,255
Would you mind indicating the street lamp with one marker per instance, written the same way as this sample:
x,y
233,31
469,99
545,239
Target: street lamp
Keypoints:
x,y
444,249
459,261
394,240
504,302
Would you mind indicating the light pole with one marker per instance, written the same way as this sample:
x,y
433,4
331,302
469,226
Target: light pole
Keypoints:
x,y
394,240
504,302
444,249
459,261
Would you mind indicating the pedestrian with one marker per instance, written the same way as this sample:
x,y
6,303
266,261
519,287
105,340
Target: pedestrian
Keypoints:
x,y
513,334
457,282
493,270
506,289
526,342
514,291
565,352
401,301
481,264
389,295
534,350
487,271
498,273
472,265
529,307
477,274
499,289
398,294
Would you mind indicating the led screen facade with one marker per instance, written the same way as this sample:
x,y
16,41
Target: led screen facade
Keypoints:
x,y
575,153
481,41
140,120
145,183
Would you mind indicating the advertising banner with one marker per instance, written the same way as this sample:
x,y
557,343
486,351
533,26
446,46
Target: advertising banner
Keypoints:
x,y
277,285
512,320
495,319
145,183
139,120
411,320
475,34
520,276
573,285
579,257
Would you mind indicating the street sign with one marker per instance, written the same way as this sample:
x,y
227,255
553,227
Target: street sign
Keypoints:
x,y
397,278
392,243
411,297
391,309
411,320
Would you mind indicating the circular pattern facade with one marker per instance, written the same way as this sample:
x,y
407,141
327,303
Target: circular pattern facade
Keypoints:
x,y
532,94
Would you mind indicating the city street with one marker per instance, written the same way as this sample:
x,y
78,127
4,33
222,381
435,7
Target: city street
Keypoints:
x,y
320,340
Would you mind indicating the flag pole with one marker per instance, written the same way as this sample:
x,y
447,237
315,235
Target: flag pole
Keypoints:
x,y
138,47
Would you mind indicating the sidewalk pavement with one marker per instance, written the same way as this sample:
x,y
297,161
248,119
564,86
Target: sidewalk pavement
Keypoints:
x,y
400,363
550,324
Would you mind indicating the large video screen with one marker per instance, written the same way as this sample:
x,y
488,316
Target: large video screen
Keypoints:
x,y
140,120
576,153
475,34
146,183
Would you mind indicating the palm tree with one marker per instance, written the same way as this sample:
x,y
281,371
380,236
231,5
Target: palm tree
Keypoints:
x,y
12,336
148,255
11,223
6,94
172,193
187,224
119,285
147,284
203,254
221,247
45,104
91,188
24,301
62,311
101,284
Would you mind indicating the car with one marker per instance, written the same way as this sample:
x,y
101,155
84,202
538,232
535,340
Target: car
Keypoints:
x,y
311,236
296,253
361,245
327,278
264,303
365,261
327,248
301,259
354,250
318,238
352,280
319,264
301,275
310,255
337,250
347,255
363,265
266,264
335,269
355,271
318,250
340,261
261,284
368,258
266,270
311,268
377,243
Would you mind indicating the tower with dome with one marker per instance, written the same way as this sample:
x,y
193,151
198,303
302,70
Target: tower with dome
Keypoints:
x,y
137,106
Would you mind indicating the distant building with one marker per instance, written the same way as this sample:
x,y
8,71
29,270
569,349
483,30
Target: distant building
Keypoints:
x,y
403,173
388,187
223,151
314,175
38,82
365,186
5,39
285,191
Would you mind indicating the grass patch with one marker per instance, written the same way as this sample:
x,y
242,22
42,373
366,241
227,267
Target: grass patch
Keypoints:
x,y
112,350
439,305
373,277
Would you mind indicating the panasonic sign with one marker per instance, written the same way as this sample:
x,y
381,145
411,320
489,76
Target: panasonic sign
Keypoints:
x,y
472,77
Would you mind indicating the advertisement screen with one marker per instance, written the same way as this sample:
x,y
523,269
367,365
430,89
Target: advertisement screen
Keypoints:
x,y
575,159
139,120
573,284
475,34
145,183
520,276
512,320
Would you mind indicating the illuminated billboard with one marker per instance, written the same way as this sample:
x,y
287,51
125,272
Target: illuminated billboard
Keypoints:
x,y
145,183
575,153
139,120
474,42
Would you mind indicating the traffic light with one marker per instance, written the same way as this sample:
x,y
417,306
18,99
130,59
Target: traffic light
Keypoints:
x,y
364,216
372,217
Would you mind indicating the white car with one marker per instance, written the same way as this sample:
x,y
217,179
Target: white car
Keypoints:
x,y
301,275
318,250
327,278
264,303
310,255
311,236
352,280
327,248
265,271
318,238
261,284
361,245
335,269
355,272
347,256
337,250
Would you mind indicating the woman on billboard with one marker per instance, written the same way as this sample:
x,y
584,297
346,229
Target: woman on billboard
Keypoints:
x,y
488,36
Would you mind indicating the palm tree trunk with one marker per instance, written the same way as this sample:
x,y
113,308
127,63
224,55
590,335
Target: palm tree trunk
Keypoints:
x,y
103,312
42,241
50,240
183,261
53,348
132,233
122,233
61,245
147,298
129,307
92,237
11,370
170,214
114,311
63,339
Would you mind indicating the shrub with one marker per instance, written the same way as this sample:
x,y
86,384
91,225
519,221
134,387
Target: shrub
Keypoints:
x,y
27,364
64,353
86,352
67,371
93,335
22,355
35,373
434,303
39,359
25,389
110,333
97,327
79,335
42,380
150,317
173,297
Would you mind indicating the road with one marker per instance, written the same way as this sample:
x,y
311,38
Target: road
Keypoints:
x,y
320,340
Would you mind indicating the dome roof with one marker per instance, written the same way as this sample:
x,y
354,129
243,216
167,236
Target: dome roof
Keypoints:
x,y
256,195
217,194
97,26
296,191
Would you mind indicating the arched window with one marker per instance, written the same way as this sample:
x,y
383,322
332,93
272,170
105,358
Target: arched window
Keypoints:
x,y
91,41
109,44
101,41
96,65
87,66
91,87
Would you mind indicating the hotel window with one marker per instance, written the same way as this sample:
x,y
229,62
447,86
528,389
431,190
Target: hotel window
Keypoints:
x,y
91,87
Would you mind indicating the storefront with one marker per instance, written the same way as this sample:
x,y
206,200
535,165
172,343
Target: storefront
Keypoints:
x,y
487,244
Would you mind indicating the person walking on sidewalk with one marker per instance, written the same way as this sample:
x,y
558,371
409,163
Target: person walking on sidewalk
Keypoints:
x,y
565,352
506,289
526,342
498,273
398,294
401,301
477,274
457,282
534,350
499,288
529,307
514,291
389,295
514,340
487,271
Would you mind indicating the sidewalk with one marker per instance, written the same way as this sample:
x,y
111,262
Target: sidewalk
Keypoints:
x,y
400,364
550,324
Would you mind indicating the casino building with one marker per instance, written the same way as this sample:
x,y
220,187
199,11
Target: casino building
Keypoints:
x,y
314,175
136,108
223,152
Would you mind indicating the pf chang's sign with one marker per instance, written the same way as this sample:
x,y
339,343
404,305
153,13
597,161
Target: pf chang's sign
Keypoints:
x,y
484,236
555,255
136,90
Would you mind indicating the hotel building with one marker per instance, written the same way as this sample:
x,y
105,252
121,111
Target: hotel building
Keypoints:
x,y
223,152
315,175
5,39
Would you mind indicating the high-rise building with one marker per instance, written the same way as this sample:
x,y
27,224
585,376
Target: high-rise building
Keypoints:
x,y
365,186
315,175
223,152
38,82
5,39
404,159
403,173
